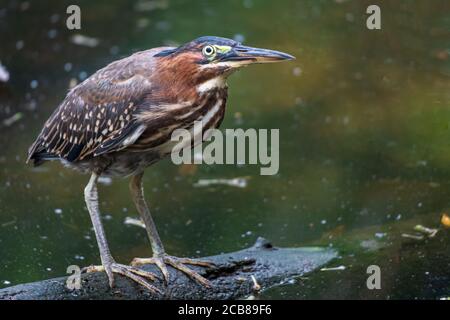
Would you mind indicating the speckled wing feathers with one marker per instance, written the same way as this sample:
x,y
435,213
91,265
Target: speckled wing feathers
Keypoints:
x,y
97,116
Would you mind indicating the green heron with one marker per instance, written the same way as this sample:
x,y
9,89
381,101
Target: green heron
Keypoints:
x,y
120,120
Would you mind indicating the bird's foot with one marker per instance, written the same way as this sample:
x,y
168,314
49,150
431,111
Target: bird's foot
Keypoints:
x,y
178,263
135,274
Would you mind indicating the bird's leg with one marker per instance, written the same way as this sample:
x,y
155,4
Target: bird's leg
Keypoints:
x,y
108,263
160,258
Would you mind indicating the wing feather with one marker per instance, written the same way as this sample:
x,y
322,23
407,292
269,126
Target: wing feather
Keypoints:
x,y
98,115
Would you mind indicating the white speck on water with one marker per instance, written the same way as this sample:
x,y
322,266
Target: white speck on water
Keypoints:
x,y
79,257
83,40
6,282
380,235
239,37
398,217
48,269
58,211
34,84
346,120
4,74
52,33
82,75
297,71
20,44
107,181
67,66
349,17
108,217
246,234
420,204
323,221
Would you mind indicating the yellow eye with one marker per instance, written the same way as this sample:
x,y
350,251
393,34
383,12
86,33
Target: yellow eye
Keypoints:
x,y
208,51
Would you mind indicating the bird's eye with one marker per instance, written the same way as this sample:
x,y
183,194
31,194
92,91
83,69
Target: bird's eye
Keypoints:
x,y
209,50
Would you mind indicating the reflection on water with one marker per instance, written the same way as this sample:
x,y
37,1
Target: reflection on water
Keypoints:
x,y
364,130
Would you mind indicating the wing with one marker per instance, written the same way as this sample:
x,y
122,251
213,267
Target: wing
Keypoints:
x,y
97,116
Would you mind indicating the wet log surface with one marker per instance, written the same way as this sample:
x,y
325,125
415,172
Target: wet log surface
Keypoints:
x,y
231,277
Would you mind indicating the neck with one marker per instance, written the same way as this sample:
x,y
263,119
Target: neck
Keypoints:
x,y
218,82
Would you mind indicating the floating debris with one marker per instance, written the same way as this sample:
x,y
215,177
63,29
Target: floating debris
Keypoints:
x,y
34,84
9,223
107,181
412,236
380,235
371,244
83,40
240,182
72,83
13,119
58,211
134,222
445,220
428,231
6,282
68,66
256,285
4,74
339,268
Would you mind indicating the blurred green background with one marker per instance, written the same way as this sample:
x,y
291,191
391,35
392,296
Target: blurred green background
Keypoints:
x,y
364,121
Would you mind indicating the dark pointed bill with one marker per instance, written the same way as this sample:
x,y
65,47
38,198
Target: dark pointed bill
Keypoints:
x,y
256,55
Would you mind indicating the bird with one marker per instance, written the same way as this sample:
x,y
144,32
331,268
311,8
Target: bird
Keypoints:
x,y
119,121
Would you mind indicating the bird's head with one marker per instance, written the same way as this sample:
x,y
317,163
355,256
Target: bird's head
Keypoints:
x,y
209,57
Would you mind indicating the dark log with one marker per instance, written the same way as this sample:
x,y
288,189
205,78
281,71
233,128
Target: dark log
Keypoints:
x,y
231,278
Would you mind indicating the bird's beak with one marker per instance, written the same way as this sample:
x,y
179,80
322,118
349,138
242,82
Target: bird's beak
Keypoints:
x,y
243,55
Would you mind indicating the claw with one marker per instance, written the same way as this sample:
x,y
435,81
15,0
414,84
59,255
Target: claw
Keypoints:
x,y
135,274
176,263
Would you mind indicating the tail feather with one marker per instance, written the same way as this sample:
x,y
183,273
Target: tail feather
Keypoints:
x,y
41,157
39,154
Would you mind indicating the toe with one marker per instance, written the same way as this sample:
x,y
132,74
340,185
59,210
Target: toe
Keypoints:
x,y
148,275
162,266
129,272
141,261
194,275
200,263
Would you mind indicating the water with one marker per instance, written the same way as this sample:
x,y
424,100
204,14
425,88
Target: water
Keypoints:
x,y
364,152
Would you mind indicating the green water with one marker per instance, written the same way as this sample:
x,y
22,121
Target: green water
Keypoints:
x,y
364,120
